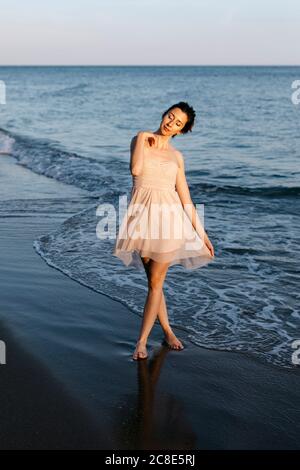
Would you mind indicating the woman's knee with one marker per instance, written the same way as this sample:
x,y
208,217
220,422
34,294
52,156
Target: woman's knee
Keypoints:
x,y
155,284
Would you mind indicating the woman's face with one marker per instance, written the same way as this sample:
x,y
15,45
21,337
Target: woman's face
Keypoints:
x,y
173,122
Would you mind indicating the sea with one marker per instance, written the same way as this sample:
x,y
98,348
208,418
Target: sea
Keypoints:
x,y
242,159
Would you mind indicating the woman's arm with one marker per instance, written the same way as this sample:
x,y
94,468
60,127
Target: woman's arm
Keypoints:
x,y
136,154
137,146
187,203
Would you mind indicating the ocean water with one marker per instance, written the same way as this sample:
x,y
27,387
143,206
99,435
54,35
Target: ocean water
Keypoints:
x,y
74,124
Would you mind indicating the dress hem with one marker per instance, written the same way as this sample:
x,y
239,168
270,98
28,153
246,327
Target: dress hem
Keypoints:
x,y
132,258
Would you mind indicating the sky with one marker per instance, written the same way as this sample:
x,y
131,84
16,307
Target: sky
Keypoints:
x,y
150,32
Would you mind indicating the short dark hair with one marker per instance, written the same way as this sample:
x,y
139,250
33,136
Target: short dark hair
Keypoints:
x,y
189,111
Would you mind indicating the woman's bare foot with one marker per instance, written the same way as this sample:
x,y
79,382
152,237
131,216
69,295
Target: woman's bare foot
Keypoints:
x,y
172,341
140,351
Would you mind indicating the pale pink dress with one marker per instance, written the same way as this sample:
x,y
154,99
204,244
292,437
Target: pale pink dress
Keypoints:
x,y
155,224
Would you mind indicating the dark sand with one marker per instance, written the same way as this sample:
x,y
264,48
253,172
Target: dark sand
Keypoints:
x,y
69,386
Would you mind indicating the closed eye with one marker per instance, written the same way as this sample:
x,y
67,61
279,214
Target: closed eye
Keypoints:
x,y
179,123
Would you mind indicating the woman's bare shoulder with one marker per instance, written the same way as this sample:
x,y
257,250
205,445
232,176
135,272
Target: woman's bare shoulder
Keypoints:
x,y
178,154
134,139
133,142
174,148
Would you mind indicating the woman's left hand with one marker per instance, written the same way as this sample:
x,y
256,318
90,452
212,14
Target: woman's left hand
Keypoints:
x,y
209,245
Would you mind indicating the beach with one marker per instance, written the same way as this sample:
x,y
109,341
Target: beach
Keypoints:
x,y
70,382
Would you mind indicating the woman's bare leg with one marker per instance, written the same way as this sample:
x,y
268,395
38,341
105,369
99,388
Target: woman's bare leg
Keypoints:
x,y
162,310
170,336
156,276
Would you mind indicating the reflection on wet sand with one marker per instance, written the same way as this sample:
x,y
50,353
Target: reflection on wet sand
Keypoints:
x,y
153,419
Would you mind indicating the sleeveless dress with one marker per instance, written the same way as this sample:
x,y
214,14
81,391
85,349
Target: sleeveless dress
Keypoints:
x,y
155,224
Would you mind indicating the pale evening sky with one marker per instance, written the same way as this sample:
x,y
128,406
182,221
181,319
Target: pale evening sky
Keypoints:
x,y
150,32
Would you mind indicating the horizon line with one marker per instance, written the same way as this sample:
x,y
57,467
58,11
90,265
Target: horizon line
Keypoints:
x,y
149,65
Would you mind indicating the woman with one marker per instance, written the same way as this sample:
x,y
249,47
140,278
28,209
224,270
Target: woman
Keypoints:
x,y
160,187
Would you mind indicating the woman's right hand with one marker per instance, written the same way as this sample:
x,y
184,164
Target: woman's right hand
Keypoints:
x,y
146,135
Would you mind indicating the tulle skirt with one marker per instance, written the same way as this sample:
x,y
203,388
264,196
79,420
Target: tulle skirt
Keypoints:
x,y
156,226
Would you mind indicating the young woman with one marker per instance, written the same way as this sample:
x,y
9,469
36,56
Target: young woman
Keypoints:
x,y
160,187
